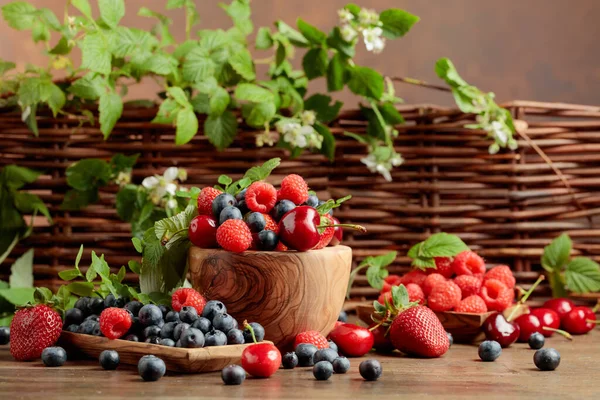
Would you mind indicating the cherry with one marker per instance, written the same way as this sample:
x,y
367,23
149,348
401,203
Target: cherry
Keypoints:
x,y
497,328
261,360
382,343
549,319
352,340
560,306
203,231
338,233
579,320
528,324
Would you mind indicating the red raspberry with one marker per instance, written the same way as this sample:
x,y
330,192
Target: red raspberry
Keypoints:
x,y
496,295
261,196
312,337
187,297
205,200
468,284
234,235
444,296
503,274
294,189
115,322
471,304
389,281
417,276
443,266
415,293
468,263
385,295
431,281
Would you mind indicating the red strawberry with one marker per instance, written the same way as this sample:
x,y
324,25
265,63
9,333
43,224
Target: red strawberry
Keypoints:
x,y
418,331
234,235
312,337
32,330
187,297
115,322
327,234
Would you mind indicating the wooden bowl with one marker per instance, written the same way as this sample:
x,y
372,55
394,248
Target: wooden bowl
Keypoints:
x,y
286,292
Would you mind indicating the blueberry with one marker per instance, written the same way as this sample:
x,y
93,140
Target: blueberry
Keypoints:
x,y
235,324
305,353
489,350
73,316
192,338
88,327
243,207
71,328
179,329
203,324
92,317
212,308
229,212
322,370
111,301
188,314
109,359
178,343
256,221
343,317
150,315
241,195
536,341
323,202
54,356
151,368
132,338
333,346
267,240
259,333
289,360
233,375
450,338
282,208
370,370
133,306
152,340
172,316
325,355
312,201
341,365
223,322
220,202
164,310
82,304
96,305
215,338
152,330
167,342
546,359
235,336
167,331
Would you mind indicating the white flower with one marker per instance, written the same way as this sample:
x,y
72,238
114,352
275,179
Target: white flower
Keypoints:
x,y
368,16
315,140
308,117
266,138
500,134
170,174
345,16
373,40
171,188
171,204
348,33
150,182
182,175
287,127
123,178
382,167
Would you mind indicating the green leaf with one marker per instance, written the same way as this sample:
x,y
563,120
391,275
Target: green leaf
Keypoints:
x,y
260,173
29,117
83,6
320,103
437,245
260,114
224,180
264,40
161,64
6,66
187,126
21,272
69,274
241,61
126,202
201,103
95,53
99,266
444,68
400,296
239,11
336,71
78,199
18,296
57,99
221,129
583,275
134,266
16,177
19,15
49,19
328,146
254,93
198,65
40,32
137,243
556,254
167,227
178,95
120,162
110,109
366,82
315,62
111,11
88,174
29,203
295,37
311,33
42,295
87,87
396,22
336,42
167,112
219,100
62,47
84,289
132,42
375,276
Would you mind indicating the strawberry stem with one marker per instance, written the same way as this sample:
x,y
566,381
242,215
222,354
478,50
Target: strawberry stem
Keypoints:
x,y
524,298
249,327
351,226
559,331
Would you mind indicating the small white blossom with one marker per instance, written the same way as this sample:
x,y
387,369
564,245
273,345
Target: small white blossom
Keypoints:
x,y
500,134
287,127
382,167
308,117
170,174
348,33
266,138
171,204
345,16
368,16
150,182
182,175
373,40
161,187
315,140
123,178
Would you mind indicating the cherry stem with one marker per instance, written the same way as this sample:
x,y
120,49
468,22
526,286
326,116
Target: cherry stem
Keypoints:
x,y
592,321
249,327
596,307
525,297
351,226
559,331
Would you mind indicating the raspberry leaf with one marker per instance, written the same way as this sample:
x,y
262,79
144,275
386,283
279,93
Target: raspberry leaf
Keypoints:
x,y
21,275
556,254
437,245
176,226
583,275
42,295
376,269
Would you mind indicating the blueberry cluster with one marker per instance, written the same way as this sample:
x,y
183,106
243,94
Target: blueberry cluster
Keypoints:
x,y
84,317
324,361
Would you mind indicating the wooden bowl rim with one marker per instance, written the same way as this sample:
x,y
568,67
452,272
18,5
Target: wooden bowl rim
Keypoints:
x,y
329,249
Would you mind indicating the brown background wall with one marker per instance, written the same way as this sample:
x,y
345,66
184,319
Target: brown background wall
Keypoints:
x,y
520,49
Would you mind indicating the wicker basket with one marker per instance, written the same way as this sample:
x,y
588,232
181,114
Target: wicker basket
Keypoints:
x,y
506,206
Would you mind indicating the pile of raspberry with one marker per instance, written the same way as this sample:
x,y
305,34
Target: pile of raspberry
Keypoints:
x,y
458,284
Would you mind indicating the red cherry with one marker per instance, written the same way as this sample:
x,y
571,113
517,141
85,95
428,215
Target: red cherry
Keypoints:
x,y
338,233
261,360
577,321
561,306
352,340
497,328
528,324
382,343
548,318
203,231
298,228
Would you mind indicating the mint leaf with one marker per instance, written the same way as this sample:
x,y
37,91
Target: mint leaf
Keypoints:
x,y
377,270
336,71
137,244
83,289
19,15
198,65
110,109
221,129
311,33
83,6
21,272
396,22
95,53
583,275
259,173
241,62
376,275
556,254
69,274
366,82
263,40
320,103
42,295
437,245
254,93
111,11
315,62
99,266
134,266
187,126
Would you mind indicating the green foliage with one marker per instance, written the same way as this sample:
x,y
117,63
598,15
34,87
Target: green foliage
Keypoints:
x,y
437,245
18,291
376,270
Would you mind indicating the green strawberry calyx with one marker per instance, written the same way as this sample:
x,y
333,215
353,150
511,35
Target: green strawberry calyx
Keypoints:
x,y
385,314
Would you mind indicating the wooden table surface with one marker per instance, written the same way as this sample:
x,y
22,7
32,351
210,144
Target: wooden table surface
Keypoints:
x,y
458,374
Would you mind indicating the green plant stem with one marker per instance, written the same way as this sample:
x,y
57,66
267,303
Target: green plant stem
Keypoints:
x,y
353,274
559,331
420,83
351,226
249,327
524,298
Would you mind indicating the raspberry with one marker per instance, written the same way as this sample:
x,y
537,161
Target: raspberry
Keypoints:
x,y
496,295
187,297
444,296
385,295
115,322
430,282
389,281
443,266
205,200
468,263
261,197
294,189
417,276
415,293
468,284
503,274
312,337
471,304
234,235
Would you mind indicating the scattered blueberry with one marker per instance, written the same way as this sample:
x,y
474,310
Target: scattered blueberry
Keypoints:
x,y
179,329
289,360
54,356
235,336
259,333
134,306
212,308
172,316
282,208
233,375
192,338
132,338
109,359
325,355
167,342
546,359
71,328
333,346
341,365
322,370
150,315
220,202
223,322
267,240
215,338
312,201
256,221
370,370
188,314
450,338
153,340
167,330
73,316
152,330
151,368
229,212
305,353
343,317
489,350
536,341
203,324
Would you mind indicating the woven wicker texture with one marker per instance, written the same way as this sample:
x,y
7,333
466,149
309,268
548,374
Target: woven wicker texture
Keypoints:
x,y
505,206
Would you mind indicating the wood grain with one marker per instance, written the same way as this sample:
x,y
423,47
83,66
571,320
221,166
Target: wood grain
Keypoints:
x,y
287,292
206,359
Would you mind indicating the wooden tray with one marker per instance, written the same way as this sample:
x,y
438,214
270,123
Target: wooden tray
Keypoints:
x,y
206,359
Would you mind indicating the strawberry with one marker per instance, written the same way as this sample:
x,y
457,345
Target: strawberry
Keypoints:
x,y
312,337
418,331
32,330
327,234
